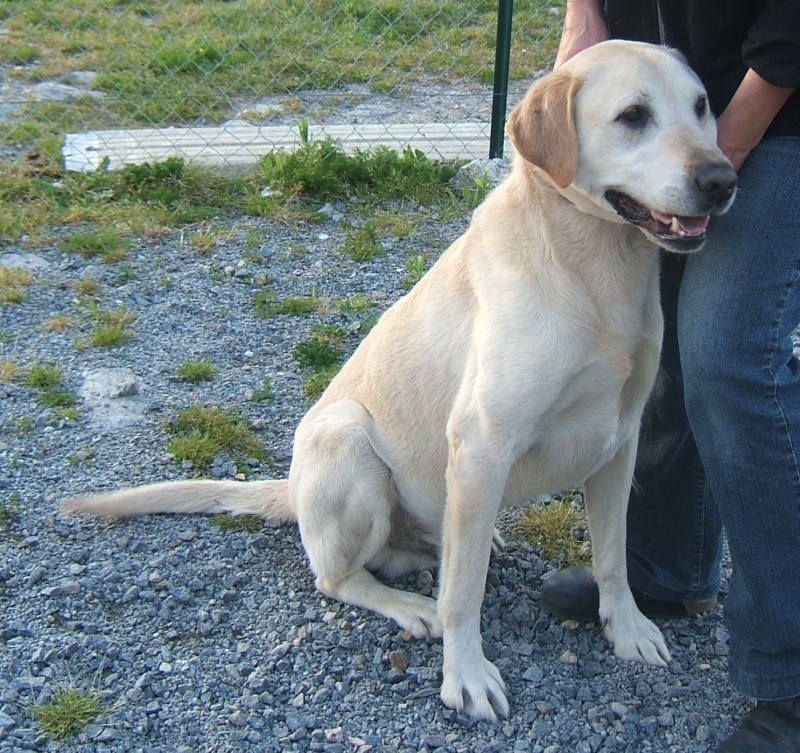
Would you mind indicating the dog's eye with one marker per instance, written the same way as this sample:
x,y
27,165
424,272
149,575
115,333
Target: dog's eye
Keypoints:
x,y
701,105
634,115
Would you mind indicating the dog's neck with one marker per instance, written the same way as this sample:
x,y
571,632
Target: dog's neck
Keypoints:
x,y
560,206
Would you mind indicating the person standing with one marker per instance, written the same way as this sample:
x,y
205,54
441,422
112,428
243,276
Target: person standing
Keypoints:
x,y
720,438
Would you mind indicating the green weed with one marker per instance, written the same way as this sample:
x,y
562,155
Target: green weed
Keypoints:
x,y
265,392
244,523
196,371
558,528
111,329
267,304
200,433
10,370
317,353
315,384
43,375
107,244
415,269
323,170
476,193
13,280
9,509
362,244
57,397
69,711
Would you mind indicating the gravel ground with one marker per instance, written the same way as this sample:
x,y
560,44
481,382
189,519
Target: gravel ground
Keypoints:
x,y
203,639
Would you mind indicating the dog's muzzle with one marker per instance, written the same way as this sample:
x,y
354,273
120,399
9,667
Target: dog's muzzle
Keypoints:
x,y
716,187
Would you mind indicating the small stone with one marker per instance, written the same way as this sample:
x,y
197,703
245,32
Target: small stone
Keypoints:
x,y
334,735
568,657
238,718
398,659
620,709
533,674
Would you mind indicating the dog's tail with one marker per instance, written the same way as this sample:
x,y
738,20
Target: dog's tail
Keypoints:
x,y
267,499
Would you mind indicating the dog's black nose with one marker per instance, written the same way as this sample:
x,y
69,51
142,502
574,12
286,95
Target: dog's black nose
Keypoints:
x,y
717,180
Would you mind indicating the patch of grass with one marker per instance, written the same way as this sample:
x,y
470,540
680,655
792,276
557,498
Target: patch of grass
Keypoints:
x,y
362,243
10,370
12,296
60,322
87,287
69,711
111,329
322,355
245,523
415,269
357,312
558,528
125,274
203,241
317,353
106,244
354,304
109,336
267,304
331,333
68,413
196,371
200,433
13,280
57,397
317,383
265,392
323,170
43,375
474,194
24,425
38,196
9,509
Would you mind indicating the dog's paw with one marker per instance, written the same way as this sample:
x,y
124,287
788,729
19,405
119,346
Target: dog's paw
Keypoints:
x,y
417,615
636,639
475,687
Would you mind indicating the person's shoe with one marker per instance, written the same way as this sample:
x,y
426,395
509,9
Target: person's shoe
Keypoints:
x,y
572,594
772,727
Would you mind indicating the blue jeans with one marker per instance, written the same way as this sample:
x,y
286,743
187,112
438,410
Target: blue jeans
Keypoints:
x,y
720,437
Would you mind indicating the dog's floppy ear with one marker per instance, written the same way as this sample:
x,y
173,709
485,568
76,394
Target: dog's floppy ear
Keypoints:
x,y
542,126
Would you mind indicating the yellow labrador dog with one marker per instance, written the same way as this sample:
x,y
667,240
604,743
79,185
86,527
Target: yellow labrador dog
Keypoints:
x,y
518,366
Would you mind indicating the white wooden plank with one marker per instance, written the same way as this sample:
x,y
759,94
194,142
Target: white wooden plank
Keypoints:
x,y
237,147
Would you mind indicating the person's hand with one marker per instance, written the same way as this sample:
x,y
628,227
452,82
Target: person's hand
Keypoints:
x,y
747,117
584,26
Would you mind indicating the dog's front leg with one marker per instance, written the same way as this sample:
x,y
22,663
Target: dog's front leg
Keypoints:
x,y
632,635
475,485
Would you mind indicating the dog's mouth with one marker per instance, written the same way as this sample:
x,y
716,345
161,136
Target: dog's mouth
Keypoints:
x,y
678,229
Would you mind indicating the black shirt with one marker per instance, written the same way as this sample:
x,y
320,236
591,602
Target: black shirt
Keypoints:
x,y
722,39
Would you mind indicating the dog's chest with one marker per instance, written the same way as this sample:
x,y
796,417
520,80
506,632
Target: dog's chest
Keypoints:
x,y
577,438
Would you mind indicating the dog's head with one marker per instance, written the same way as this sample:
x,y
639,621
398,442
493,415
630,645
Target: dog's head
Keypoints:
x,y
624,130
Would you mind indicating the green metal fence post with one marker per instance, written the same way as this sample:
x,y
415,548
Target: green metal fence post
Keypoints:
x,y
501,63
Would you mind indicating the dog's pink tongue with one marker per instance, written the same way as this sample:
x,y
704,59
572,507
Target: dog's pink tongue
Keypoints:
x,y
687,225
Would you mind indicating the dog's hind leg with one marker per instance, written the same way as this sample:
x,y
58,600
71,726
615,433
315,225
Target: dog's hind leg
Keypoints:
x,y
344,499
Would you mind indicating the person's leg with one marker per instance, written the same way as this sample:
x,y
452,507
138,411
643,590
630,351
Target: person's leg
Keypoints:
x,y
674,530
739,303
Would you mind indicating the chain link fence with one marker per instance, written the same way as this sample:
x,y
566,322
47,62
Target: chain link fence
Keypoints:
x,y
227,80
